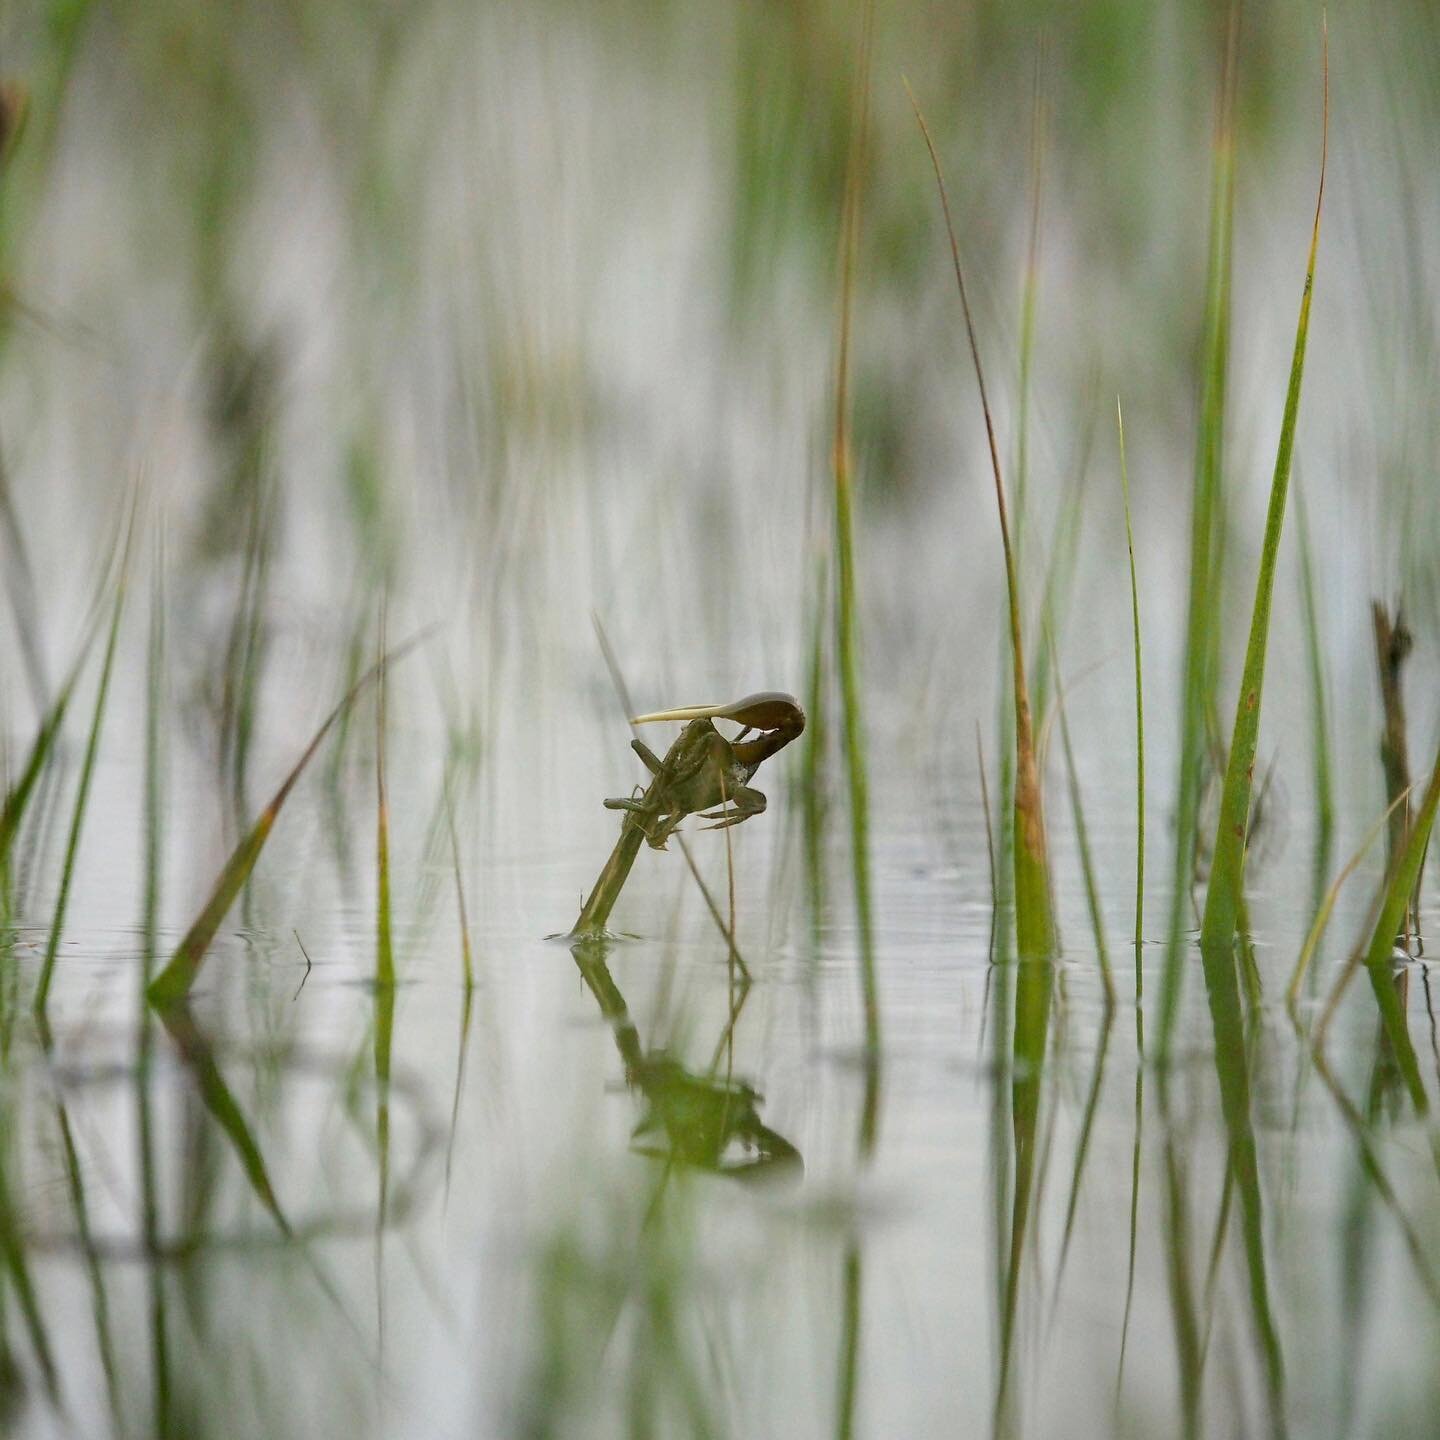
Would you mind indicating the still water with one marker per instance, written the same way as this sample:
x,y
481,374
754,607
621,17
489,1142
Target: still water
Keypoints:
x,y
622,1190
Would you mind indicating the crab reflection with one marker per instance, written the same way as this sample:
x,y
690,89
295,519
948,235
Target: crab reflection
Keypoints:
x,y
703,1119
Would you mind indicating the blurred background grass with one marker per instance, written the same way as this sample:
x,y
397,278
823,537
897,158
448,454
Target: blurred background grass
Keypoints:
x,y
503,315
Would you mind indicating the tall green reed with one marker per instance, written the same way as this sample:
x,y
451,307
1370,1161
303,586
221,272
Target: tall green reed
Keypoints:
x,y
1139,708
1225,894
87,771
1034,919
847,584
174,982
1319,701
1202,628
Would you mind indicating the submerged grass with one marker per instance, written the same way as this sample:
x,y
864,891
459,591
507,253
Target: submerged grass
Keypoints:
x,y
1225,895
17,1272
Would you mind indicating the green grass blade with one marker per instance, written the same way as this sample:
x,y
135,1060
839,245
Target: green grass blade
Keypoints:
x,y
384,944
1401,883
1034,920
847,601
1028,297
989,841
1399,888
152,843
1139,711
1227,875
1207,508
813,764
82,794
1327,905
1319,717
17,798
1087,863
176,979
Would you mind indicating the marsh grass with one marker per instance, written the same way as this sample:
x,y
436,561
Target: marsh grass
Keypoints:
x,y
1087,863
628,1329
384,942
1034,920
847,583
1139,708
1202,629
814,806
1029,293
38,763
20,584
1225,895
1319,699
17,1273
87,771
1395,897
152,842
1393,644
1327,903
174,982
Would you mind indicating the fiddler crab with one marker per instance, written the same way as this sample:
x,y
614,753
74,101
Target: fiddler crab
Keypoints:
x,y
705,774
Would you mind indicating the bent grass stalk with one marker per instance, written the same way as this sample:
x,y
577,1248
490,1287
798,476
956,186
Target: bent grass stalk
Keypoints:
x,y
1399,887
1327,905
174,982
1034,920
1224,897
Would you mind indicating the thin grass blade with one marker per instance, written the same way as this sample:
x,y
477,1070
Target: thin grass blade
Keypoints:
x,y
82,793
1224,896
176,979
1034,918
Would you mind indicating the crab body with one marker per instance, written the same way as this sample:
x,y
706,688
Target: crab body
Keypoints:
x,y
705,774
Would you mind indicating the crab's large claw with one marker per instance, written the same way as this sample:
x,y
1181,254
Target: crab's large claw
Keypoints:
x,y
772,711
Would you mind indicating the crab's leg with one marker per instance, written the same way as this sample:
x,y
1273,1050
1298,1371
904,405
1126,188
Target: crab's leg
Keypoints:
x,y
744,801
652,761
